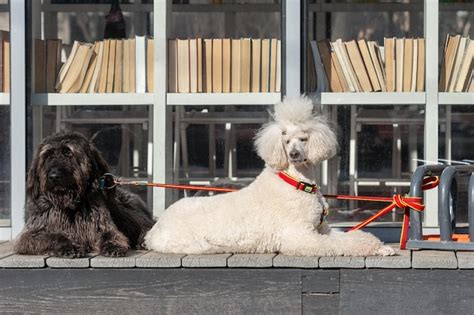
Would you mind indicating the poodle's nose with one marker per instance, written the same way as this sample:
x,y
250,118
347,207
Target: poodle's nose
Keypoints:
x,y
54,174
294,154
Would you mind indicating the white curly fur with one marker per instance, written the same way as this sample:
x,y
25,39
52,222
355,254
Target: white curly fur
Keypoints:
x,y
269,215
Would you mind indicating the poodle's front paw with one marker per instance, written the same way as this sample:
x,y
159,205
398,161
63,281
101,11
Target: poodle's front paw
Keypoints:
x,y
385,251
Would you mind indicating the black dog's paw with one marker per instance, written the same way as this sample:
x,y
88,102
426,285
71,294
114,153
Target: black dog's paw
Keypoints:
x,y
70,251
113,250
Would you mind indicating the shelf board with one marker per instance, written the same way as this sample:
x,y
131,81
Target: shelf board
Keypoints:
x,y
456,98
4,99
88,7
223,98
74,99
247,7
372,98
367,7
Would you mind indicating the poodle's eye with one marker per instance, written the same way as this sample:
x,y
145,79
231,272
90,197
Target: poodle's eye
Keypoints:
x,y
287,141
303,139
67,152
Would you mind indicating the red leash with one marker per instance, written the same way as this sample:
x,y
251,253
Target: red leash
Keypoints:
x,y
405,203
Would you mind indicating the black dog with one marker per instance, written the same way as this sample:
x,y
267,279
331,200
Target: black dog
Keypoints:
x,y
67,214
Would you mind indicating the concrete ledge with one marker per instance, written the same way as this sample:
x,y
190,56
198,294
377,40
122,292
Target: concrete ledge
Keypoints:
x,y
23,261
58,262
251,260
159,260
342,262
295,261
196,261
117,262
6,249
430,259
401,261
465,260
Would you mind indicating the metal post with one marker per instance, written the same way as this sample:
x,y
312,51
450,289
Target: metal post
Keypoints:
x,y
162,116
431,17
292,48
444,198
470,207
18,113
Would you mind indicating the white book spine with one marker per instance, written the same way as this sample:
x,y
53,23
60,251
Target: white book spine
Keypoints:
x,y
414,73
140,64
320,73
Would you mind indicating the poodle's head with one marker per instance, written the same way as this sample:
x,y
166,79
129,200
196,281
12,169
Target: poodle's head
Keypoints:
x,y
296,135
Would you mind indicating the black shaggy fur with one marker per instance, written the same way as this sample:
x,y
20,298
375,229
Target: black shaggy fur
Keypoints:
x,y
67,215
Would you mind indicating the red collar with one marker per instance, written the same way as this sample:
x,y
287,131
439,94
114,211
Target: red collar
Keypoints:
x,y
300,185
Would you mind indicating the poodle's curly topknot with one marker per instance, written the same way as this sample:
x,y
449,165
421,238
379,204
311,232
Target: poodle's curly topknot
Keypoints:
x,y
294,110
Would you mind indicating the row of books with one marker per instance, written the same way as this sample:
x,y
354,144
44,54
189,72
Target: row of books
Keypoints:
x,y
364,66
224,65
4,61
108,66
457,65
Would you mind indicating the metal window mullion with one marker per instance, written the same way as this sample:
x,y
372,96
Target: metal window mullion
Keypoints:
x,y
18,113
292,48
431,29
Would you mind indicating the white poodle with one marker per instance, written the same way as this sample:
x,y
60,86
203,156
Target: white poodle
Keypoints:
x,y
270,215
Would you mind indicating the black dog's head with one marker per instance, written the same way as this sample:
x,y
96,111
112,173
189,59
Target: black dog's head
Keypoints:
x,y
66,165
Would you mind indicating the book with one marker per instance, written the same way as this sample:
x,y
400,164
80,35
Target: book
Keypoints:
x,y
172,66
447,64
200,65
246,63
140,64
183,66
74,78
5,34
378,64
126,66
278,72
40,66
389,45
217,65
321,79
193,66
414,66
273,63
420,72
265,67
150,65
358,65
325,53
118,70
53,57
133,64
6,61
102,84
369,65
93,87
466,68
255,65
90,69
400,63
457,63
407,64
311,82
338,47
235,66
207,67
226,65
111,66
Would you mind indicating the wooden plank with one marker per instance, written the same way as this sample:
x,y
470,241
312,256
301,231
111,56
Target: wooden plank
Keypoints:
x,y
117,262
159,260
397,291
295,261
151,291
58,262
200,261
401,260
465,260
6,249
320,281
342,262
23,261
251,260
320,303
427,259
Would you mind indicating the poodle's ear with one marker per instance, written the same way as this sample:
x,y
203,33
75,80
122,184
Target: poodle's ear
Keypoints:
x,y
269,145
99,164
322,142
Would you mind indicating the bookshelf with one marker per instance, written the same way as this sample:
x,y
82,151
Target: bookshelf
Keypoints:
x,y
163,106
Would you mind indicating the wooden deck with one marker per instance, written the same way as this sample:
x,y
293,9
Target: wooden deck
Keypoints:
x,y
425,282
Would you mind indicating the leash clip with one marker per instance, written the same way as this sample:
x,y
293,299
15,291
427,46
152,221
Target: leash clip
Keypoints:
x,y
307,187
107,181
